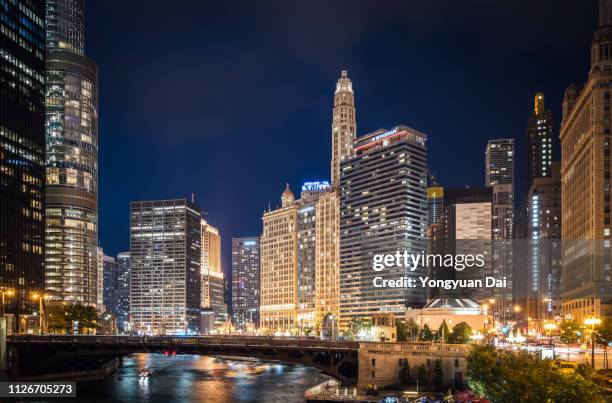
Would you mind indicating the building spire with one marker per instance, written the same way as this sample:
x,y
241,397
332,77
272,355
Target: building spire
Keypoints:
x,y
538,104
343,124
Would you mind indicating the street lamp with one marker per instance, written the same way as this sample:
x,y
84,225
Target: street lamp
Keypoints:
x,y
592,322
7,292
41,310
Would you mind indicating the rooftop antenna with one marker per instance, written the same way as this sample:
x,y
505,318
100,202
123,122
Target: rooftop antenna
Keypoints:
x,y
193,197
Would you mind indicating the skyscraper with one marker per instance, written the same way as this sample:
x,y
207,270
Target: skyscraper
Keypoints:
x,y
543,300
116,287
327,247
585,183
165,256
539,141
435,203
71,199
499,175
122,291
383,209
344,126
279,266
22,151
245,280
499,162
212,275
467,230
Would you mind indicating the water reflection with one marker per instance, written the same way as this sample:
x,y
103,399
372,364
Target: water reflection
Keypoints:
x,y
188,378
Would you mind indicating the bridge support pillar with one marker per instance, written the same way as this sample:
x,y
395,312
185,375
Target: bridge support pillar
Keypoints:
x,y
3,354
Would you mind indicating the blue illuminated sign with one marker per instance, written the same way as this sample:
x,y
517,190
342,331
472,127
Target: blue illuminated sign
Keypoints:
x,y
321,185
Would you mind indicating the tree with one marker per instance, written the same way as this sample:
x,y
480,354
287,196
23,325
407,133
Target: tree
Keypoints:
x,y
438,375
426,334
507,376
404,373
56,319
402,333
461,333
443,332
412,328
602,335
569,330
87,317
422,376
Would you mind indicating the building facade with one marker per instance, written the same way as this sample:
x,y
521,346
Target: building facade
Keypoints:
x,y
279,267
327,246
165,257
383,209
585,183
116,287
71,199
539,141
212,274
344,126
544,246
22,152
245,281
499,176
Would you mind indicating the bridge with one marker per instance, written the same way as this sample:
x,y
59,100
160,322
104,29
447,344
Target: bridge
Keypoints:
x,y
29,356
352,363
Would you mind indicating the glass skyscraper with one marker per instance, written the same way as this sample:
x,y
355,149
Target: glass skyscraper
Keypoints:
x,y
383,210
245,280
71,200
22,150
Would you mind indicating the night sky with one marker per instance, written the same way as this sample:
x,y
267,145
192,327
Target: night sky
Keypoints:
x,y
232,99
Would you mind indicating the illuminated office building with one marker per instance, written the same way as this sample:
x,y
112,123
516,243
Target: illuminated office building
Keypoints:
x,y
212,275
165,256
468,231
307,254
116,287
344,126
22,152
585,183
435,204
499,176
327,247
279,266
71,198
539,141
245,280
544,247
383,209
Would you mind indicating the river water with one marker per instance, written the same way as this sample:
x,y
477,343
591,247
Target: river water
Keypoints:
x,y
193,378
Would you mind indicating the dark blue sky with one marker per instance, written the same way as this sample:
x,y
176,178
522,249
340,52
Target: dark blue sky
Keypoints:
x,y
231,99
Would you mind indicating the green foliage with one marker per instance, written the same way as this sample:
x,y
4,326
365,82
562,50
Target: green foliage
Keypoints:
x,y
603,333
402,334
569,331
461,334
426,334
404,374
60,317
443,332
412,329
438,379
506,376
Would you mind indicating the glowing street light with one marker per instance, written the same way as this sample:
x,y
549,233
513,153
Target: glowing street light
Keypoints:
x,y
8,292
592,322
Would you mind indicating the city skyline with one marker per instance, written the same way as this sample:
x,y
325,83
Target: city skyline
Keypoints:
x,y
382,96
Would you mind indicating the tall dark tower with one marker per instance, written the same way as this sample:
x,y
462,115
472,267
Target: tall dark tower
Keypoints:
x,y
539,141
22,152
71,200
